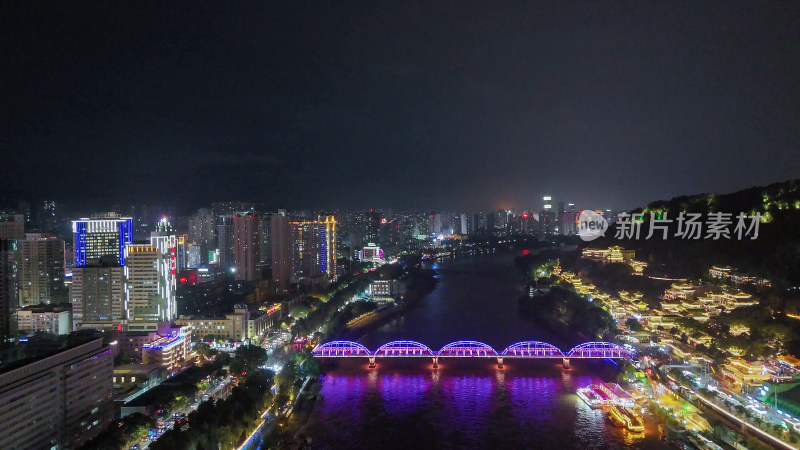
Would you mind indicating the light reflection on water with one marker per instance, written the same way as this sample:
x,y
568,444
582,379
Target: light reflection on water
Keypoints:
x,y
407,404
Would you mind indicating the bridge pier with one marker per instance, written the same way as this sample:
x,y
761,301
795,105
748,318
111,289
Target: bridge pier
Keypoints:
x,y
499,362
435,362
371,362
565,362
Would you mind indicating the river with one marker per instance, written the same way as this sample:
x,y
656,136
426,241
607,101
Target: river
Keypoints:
x,y
465,404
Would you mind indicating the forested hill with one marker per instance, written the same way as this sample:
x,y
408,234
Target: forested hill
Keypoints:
x,y
774,254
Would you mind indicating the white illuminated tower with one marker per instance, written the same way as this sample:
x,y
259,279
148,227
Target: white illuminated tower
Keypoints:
x,y
150,281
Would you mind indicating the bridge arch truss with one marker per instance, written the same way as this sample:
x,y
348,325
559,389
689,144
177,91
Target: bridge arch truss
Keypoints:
x,y
341,349
404,349
598,350
467,349
532,349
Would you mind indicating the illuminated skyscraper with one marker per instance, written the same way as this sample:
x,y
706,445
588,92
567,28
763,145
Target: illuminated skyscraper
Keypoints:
x,y
101,235
150,282
313,250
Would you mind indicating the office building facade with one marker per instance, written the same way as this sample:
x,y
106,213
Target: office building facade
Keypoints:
x,y
101,235
8,288
98,295
41,270
150,283
280,234
247,247
54,319
59,401
314,250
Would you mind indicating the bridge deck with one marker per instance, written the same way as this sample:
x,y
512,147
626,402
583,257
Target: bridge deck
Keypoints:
x,y
471,349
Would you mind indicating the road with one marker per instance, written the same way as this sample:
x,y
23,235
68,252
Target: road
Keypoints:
x,y
220,389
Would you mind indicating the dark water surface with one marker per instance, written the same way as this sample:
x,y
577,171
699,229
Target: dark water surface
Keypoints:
x,y
465,404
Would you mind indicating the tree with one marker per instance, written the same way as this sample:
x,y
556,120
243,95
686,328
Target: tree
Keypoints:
x,y
248,358
205,349
633,325
124,358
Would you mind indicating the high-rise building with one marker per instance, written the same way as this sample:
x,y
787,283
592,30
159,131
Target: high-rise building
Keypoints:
x,y
202,231
40,270
231,208
280,234
101,235
569,220
435,223
8,288
148,218
98,294
479,223
247,246
49,217
194,256
150,283
313,250
466,224
327,241
547,221
12,226
181,252
26,211
171,244
526,222
547,216
265,240
58,401
373,226
502,218
225,241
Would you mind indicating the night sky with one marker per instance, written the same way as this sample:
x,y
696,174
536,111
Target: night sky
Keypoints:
x,y
460,105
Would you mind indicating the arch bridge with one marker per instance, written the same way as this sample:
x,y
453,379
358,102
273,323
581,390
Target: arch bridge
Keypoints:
x,y
471,349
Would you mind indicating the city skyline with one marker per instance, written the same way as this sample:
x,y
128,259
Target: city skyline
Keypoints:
x,y
397,225
473,106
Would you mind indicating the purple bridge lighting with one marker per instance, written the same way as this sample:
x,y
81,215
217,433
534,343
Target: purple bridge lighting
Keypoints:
x,y
470,349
